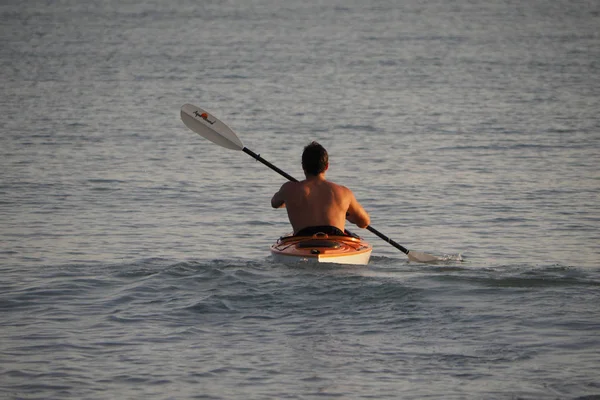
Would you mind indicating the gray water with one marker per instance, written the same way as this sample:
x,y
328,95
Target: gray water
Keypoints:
x,y
134,254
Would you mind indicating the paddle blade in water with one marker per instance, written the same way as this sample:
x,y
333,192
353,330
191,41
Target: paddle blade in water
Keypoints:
x,y
209,127
422,257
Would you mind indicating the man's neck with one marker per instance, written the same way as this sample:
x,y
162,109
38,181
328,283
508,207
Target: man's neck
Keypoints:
x,y
319,177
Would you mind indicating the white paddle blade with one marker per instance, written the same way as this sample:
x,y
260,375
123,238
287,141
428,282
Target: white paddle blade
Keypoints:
x,y
210,127
422,257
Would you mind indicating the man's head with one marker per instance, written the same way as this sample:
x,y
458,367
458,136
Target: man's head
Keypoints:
x,y
314,159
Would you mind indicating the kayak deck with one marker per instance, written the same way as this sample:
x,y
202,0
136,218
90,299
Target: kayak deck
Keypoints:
x,y
322,248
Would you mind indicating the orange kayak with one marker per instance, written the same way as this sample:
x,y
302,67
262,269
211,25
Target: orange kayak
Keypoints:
x,y
322,248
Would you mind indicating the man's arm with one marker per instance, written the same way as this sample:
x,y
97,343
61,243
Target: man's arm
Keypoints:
x,y
357,214
278,199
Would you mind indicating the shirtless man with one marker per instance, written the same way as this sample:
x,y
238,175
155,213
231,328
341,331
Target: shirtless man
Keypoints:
x,y
315,204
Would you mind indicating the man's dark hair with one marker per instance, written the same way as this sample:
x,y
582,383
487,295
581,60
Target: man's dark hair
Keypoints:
x,y
314,159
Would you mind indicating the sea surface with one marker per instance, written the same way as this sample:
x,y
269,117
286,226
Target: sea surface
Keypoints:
x,y
134,254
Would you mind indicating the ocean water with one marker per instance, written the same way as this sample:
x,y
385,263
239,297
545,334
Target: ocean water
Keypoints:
x,y
134,256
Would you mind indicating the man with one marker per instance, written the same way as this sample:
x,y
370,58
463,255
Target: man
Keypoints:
x,y
315,204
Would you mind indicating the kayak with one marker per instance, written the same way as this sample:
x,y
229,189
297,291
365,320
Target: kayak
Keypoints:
x,y
322,248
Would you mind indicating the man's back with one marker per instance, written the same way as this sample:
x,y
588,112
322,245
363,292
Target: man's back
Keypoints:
x,y
318,202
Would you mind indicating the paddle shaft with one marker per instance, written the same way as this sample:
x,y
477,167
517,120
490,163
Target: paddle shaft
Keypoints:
x,y
387,239
257,157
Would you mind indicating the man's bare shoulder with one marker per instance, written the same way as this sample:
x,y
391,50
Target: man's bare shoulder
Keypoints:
x,y
290,187
340,188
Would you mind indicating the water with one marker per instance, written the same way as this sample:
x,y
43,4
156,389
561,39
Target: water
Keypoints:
x,y
134,253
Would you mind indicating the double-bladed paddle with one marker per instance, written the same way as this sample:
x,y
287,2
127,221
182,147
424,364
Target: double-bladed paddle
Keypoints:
x,y
211,128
